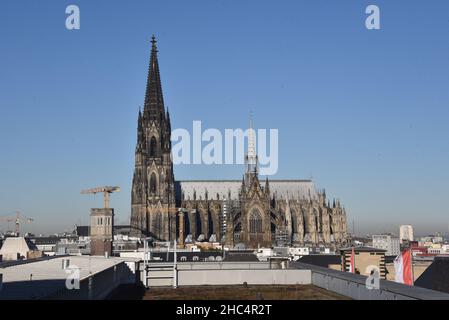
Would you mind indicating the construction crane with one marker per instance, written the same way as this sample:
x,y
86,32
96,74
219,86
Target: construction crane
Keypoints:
x,y
106,191
18,219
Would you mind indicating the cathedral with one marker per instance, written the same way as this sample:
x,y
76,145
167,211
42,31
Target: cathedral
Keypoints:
x,y
245,213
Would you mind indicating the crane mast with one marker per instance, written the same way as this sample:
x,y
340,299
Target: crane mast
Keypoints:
x,y
18,219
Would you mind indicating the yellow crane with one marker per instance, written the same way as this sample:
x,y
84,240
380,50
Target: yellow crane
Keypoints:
x,y
107,190
18,219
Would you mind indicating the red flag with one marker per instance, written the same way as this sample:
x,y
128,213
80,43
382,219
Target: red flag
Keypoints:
x,y
403,268
352,262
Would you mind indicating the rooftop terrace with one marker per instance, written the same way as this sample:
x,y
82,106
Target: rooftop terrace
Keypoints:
x,y
43,278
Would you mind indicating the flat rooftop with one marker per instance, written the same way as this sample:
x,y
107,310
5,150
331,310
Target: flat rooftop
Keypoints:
x,y
39,279
250,292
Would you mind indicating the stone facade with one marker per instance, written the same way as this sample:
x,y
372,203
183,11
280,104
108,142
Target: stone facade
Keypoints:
x,y
101,231
244,212
153,198
289,212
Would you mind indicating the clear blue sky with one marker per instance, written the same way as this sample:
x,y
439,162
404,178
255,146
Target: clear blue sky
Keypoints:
x,y
365,113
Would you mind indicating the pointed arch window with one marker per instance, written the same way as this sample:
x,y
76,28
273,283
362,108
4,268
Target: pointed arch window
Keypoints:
x,y
305,225
315,215
153,147
294,221
153,183
255,222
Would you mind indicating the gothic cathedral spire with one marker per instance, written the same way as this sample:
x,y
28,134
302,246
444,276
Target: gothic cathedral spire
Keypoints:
x,y
251,159
154,101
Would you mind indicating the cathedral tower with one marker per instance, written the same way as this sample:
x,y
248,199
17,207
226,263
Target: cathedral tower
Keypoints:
x,y
153,192
254,200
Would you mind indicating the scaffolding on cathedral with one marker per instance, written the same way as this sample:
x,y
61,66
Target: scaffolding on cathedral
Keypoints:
x,y
282,238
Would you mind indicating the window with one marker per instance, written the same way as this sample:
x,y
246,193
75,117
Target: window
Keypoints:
x,y
294,222
153,183
305,226
317,225
153,146
255,222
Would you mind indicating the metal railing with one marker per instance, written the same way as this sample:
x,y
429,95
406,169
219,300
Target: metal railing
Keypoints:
x,y
354,286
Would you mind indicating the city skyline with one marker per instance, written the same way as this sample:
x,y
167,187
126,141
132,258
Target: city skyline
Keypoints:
x,y
362,112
